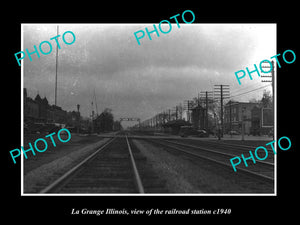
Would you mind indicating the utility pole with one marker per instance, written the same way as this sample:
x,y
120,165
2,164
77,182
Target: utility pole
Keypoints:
x,y
186,106
221,91
206,110
198,103
207,96
55,102
92,117
78,118
190,107
222,124
95,99
188,111
243,124
272,77
139,124
272,81
230,118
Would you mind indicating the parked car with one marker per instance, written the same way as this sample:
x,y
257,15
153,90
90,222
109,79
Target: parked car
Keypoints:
x,y
202,133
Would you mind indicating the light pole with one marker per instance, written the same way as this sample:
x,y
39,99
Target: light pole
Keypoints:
x,y
56,64
78,118
243,125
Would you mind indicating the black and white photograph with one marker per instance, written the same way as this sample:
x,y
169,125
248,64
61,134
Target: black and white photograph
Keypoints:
x,y
143,109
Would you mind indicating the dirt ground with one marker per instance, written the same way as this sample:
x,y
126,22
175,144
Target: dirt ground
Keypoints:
x,y
184,175
52,153
43,168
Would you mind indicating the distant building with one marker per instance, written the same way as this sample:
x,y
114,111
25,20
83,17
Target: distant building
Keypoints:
x,y
252,114
38,110
198,117
43,107
72,118
31,108
56,114
262,120
237,112
173,126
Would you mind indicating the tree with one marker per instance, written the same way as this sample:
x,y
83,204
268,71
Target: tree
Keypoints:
x,y
254,100
104,122
266,100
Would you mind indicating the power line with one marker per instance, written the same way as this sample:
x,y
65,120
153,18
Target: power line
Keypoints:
x,y
237,91
250,91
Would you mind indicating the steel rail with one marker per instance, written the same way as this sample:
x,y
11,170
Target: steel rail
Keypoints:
x,y
74,169
217,152
138,180
248,172
233,145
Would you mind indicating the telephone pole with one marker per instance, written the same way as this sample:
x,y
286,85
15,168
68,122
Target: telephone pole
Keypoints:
x,y
270,81
187,104
78,118
95,99
207,96
56,72
221,92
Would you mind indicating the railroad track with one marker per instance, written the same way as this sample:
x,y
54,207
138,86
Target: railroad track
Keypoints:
x,y
261,170
116,167
234,149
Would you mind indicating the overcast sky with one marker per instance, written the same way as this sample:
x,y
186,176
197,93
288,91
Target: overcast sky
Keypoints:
x,y
143,80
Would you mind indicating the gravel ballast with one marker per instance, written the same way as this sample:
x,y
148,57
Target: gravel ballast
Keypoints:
x,y
38,178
